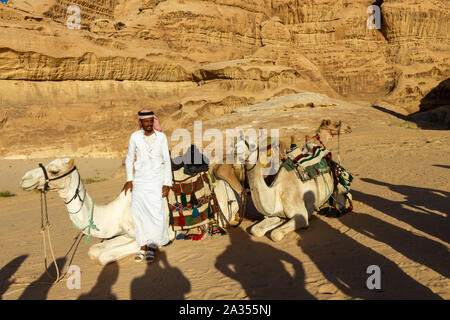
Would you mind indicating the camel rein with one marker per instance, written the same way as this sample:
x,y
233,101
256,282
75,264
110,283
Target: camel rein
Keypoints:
x,y
45,222
45,226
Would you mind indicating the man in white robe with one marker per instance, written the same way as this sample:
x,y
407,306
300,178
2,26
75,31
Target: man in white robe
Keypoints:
x,y
149,184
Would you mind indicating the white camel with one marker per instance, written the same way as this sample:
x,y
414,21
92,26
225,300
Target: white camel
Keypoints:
x,y
288,202
113,220
235,175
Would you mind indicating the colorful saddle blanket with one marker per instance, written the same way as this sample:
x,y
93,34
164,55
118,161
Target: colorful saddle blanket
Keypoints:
x,y
194,202
341,176
309,155
309,162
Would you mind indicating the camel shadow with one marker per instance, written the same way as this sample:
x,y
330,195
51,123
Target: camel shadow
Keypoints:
x,y
424,202
259,268
7,271
161,281
441,166
102,289
343,261
420,249
38,289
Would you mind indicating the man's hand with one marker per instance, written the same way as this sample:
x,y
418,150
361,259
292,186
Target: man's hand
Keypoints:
x,y
165,191
128,186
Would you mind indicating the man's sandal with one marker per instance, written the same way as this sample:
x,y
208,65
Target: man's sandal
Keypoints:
x,y
150,255
142,255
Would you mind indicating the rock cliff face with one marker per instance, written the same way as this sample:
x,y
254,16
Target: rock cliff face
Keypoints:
x,y
418,38
204,59
91,10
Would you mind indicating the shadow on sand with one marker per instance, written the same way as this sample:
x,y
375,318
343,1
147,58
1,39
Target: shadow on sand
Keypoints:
x,y
7,272
343,261
441,166
103,288
259,268
434,110
415,247
38,289
160,282
423,208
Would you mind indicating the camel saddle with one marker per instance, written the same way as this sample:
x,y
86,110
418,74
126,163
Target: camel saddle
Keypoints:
x,y
193,161
308,162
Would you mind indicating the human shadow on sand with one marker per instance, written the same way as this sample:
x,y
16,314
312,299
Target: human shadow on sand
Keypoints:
x,y
161,281
38,289
7,272
103,288
259,268
424,201
343,261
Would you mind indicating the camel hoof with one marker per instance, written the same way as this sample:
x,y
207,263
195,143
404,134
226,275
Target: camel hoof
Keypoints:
x,y
276,235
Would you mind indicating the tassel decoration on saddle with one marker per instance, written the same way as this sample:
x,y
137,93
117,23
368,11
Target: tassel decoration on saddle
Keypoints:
x,y
183,199
213,227
193,201
181,220
210,212
198,237
195,212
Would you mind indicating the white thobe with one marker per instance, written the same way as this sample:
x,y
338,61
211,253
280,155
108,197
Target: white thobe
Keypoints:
x,y
152,170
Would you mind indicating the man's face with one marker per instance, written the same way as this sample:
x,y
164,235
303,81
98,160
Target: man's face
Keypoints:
x,y
147,124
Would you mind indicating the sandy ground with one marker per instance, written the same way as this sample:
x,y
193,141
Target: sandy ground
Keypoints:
x,y
400,223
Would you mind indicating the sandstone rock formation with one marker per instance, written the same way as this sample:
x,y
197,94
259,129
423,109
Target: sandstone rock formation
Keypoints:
x,y
77,91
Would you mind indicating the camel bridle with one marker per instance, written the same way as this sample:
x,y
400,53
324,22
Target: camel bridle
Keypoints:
x,y
243,195
45,226
47,179
77,191
250,152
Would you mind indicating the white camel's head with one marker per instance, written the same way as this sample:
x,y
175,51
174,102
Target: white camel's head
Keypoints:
x,y
248,153
35,178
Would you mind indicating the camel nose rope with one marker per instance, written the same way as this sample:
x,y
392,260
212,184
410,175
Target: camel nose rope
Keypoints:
x,y
339,140
45,226
90,225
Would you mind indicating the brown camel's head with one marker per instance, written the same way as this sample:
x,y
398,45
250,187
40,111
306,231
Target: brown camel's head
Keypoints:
x,y
333,127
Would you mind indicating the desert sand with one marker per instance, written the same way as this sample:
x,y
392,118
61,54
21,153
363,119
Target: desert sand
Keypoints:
x,y
400,223
279,64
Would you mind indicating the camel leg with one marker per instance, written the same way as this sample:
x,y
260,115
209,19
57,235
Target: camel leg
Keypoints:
x,y
297,222
96,250
260,229
117,252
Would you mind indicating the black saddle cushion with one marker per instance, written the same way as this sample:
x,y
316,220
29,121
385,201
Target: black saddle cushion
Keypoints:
x,y
192,161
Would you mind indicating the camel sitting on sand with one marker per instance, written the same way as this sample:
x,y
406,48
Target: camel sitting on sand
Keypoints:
x,y
113,220
288,202
235,175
